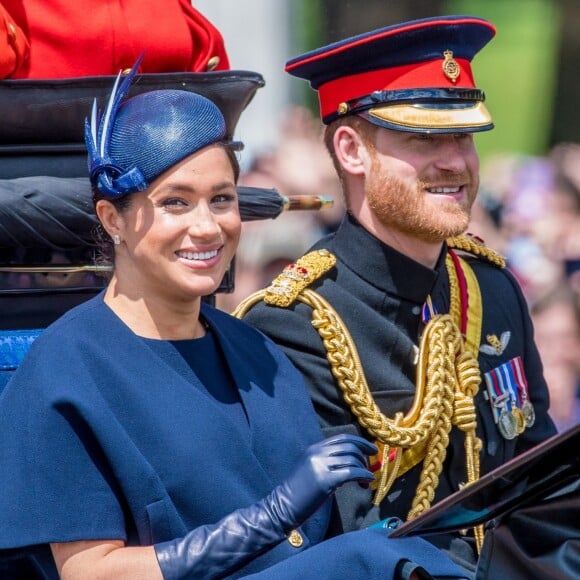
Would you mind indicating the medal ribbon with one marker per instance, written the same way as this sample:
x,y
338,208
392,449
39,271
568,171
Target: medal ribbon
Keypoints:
x,y
521,381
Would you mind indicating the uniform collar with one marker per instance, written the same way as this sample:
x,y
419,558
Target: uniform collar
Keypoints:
x,y
382,266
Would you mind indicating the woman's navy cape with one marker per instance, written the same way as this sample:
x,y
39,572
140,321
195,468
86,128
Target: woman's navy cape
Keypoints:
x,y
102,439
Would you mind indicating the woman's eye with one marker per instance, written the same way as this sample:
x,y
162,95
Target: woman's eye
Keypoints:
x,y
173,202
223,200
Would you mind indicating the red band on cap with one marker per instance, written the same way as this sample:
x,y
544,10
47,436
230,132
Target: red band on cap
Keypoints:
x,y
412,76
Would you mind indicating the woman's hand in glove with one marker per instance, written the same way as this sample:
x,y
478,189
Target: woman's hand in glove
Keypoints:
x,y
325,466
216,550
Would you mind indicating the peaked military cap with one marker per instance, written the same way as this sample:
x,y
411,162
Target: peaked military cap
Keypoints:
x,y
414,76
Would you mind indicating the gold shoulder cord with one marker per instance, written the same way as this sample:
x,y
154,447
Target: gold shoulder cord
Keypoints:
x,y
472,245
447,379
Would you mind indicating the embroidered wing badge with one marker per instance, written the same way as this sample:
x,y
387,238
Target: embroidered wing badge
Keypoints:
x,y
495,346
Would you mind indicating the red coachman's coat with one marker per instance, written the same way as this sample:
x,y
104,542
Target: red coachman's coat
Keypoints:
x,y
47,39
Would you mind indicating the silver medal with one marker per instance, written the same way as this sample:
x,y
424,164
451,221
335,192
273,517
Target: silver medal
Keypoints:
x,y
529,413
507,424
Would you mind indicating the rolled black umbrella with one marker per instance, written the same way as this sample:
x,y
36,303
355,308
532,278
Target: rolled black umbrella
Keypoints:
x,y
259,203
57,212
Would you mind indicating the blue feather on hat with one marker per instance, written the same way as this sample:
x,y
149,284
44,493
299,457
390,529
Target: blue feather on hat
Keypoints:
x,y
136,140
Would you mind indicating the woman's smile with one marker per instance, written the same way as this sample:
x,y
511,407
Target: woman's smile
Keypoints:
x,y
204,259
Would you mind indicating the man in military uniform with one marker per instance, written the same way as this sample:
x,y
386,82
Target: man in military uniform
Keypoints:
x,y
408,331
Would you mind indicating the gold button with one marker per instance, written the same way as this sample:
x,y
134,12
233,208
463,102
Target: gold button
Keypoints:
x,y
295,539
212,63
12,30
343,108
125,71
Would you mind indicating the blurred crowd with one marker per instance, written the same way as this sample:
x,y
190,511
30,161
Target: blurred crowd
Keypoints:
x,y
528,209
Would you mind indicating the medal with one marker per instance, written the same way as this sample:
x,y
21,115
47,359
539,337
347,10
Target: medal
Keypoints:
x,y
507,424
520,420
507,390
526,405
529,413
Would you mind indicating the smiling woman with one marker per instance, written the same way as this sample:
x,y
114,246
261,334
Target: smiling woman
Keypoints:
x,y
168,438
173,244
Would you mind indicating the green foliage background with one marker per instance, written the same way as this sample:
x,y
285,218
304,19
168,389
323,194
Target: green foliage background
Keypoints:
x,y
518,72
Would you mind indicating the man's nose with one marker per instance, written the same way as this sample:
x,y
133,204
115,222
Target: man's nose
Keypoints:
x,y
451,155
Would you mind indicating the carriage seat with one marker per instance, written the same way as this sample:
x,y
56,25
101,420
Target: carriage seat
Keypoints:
x,y
14,345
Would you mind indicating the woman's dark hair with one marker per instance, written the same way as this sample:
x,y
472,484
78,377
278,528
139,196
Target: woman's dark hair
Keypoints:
x,y
232,156
105,252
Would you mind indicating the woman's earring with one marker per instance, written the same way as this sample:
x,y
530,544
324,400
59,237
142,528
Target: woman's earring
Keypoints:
x,y
116,239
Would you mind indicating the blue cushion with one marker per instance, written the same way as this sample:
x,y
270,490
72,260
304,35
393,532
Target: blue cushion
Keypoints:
x,y
14,345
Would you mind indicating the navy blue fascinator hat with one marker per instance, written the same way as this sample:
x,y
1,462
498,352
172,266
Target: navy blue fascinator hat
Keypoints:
x,y
135,140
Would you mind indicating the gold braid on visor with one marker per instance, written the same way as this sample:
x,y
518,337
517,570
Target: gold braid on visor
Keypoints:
x,y
425,117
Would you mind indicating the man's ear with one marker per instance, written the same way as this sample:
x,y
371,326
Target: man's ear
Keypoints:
x,y
350,150
109,217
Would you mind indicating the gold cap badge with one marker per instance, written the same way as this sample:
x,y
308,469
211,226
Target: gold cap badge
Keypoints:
x,y
450,67
212,63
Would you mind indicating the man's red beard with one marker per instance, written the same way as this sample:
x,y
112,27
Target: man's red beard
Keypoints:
x,y
405,209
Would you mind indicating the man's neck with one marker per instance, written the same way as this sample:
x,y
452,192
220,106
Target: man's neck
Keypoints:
x,y
425,253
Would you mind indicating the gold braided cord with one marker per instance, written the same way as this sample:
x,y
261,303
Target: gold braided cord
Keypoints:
x,y
468,382
242,308
473,246
438,356
432,414
447,379
388,472
469,377
405,431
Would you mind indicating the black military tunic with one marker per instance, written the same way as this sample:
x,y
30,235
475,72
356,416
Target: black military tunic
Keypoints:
x,y
379,293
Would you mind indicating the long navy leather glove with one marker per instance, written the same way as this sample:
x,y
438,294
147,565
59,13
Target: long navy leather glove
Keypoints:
x,y
214,551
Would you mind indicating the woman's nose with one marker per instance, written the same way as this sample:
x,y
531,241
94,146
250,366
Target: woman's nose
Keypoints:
x,y
203,223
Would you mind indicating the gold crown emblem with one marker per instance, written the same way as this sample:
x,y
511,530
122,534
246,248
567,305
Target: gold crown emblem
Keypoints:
x,y
450,67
